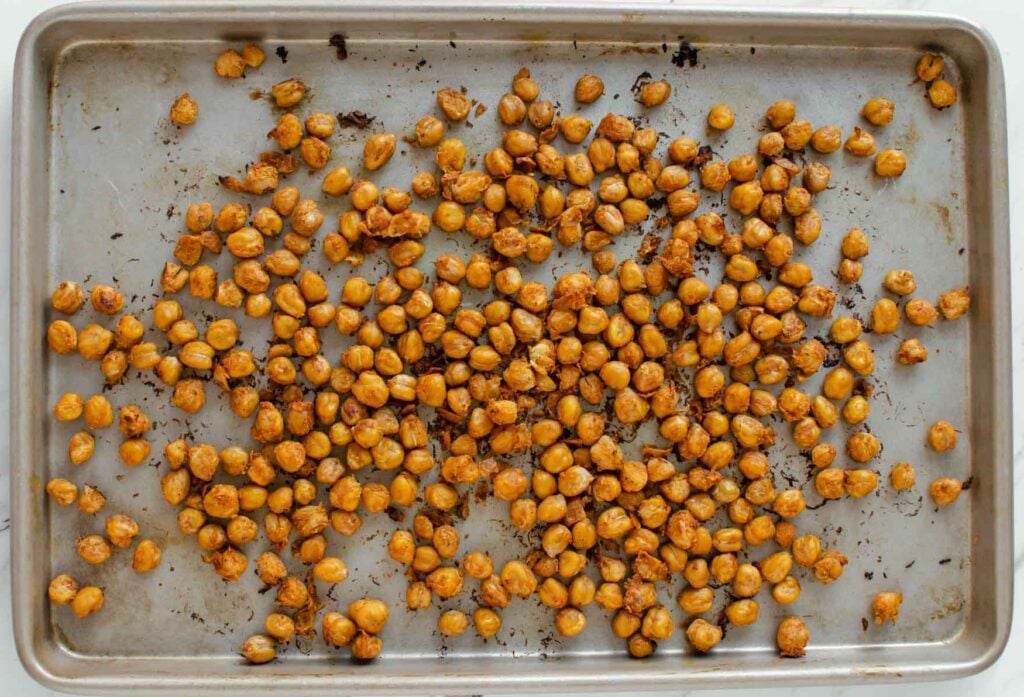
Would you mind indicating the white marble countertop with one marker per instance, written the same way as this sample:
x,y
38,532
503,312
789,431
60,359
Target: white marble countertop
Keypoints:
x,y
1003,18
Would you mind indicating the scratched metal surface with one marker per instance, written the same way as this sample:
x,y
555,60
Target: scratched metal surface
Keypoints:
x,y
120,177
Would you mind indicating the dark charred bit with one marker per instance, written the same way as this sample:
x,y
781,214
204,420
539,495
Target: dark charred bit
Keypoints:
x,y
282,53
686,55
967,483
864,623
338,42
355,119
944,561
641,80
704,154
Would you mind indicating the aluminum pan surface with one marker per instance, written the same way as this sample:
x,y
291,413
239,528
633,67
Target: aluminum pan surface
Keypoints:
x,y
126,167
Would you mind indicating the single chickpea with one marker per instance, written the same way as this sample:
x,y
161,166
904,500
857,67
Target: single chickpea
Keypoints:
x,y
721,117
886,607
941,436
184,111
703,635
861,143
61,491
67,297
902,476
890,163
655,93
878,111
942,94
911,352
900,281
929,67
588,89
792,636
452,623
259,649
229,64
827,139
453,103
146,557
87,601
945,490
955,303
920,312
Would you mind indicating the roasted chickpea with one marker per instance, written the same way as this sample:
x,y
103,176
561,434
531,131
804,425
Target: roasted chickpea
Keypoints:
x,y
792,636
721,117
942,94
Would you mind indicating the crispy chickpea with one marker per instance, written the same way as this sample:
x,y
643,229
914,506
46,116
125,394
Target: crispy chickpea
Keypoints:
x,y
827,139
366,647
721,117
792,636
378,150
886,607
902,476
81,447
861,143
570,621
61,491
654,93
945,490
184,110
955,303
942,94
87,601
67,297
230,64
920,312
146,557
890,163
452,623
259,649
941,436
588,89
453,103
703,635
929,67
62,589
63,339
93,549
878,111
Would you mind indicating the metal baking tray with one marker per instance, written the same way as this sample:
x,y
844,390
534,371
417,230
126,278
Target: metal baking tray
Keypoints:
x,y
100,185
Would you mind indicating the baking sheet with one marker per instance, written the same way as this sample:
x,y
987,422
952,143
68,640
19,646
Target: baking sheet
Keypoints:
x,y
118,179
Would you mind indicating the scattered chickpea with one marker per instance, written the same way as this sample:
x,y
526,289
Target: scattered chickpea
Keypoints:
x,y
792,637
890,163
184,111
589,89
878,111
886,607
87,601
945,490
942,94
929,67
941,436
721,117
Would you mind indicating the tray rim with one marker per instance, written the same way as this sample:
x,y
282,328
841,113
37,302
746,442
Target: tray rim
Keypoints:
x,y
37,654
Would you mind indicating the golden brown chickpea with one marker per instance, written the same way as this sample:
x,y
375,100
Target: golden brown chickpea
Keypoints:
x,y
890,163
452,623
121,530
886,607
827,139
911,352
588,89
230,64
62,589
703,635
721,117
941,436
780,113
67,297
146,557
946,490
378,150
81,447
654,93
570,621
861,143
63,339
792,636
878,111
184,110
902,476
453,103
920,312
93,549
61,491
929,67
942,94
259,649
87,601
366,647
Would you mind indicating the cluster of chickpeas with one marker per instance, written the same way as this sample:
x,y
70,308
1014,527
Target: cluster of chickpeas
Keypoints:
x,y
941,93
528,372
